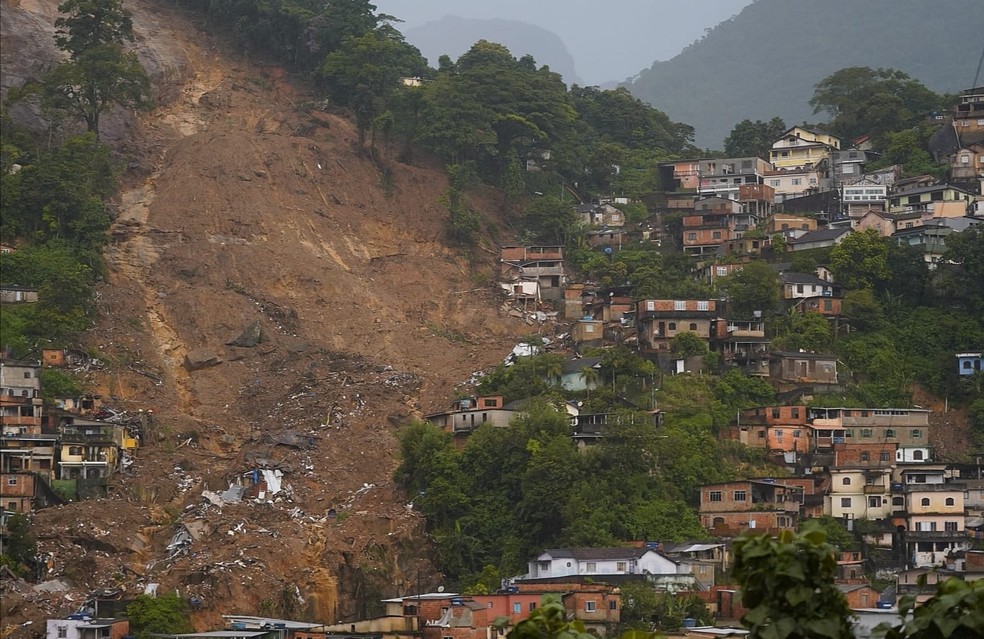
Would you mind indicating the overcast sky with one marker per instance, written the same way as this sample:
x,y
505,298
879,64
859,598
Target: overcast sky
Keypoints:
x,y
609,39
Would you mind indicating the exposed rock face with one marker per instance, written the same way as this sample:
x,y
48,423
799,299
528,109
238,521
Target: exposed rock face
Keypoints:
x,y
27,30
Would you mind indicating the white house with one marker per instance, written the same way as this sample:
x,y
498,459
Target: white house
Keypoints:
x,y
571,562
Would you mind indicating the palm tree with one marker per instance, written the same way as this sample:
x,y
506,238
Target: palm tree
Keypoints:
x,y
590,376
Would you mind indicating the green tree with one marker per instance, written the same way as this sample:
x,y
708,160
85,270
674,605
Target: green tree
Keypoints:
x,y
863,310
963,267
955,611
20,546
787,586
749,138
753,288
90,23
365,71
688,344
549,621
908,148
99,74
863,100
808,331
166,614
860,260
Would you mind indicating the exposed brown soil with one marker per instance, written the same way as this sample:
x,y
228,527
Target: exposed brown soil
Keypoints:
x,y
243,203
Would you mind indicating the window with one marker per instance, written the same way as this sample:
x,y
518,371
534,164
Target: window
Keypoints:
x,y
590,606
11,481
797,181
890,432
692,237
883,456
532,606
797,433
773,183
846,481
917,455
591,567
612,605
714,495
864,457
679,305
704,305
517,608
950,526
779,435
916,433
950,501
873,502
672,326
924,502
716,235
27,374
845,502
621,566
740,495
795,413
693,326
722,271
775,413
799,288
62,632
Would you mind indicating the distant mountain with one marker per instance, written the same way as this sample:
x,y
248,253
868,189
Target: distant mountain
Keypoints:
x,y
453,35
765,61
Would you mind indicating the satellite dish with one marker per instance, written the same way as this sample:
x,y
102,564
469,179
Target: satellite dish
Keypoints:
x,y
440,588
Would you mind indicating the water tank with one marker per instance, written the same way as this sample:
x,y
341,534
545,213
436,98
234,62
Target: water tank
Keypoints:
x,y
689,622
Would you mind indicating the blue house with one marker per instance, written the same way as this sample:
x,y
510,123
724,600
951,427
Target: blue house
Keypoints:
x,y
970,363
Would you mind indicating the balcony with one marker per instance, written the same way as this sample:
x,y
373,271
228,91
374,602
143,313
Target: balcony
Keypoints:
x,y
875,489
937,535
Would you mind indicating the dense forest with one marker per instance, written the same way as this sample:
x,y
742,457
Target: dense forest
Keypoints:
x,y
508,123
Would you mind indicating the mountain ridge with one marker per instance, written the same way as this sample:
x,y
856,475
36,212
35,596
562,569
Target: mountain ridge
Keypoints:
x,y
914,36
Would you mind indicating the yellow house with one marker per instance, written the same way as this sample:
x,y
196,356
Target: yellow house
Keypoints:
x,y
800,147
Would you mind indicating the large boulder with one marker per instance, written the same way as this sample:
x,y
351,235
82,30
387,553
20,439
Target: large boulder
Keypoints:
x,y
249,336
201,358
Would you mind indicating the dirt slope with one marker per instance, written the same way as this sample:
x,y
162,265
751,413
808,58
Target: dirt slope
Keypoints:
x,y
242,204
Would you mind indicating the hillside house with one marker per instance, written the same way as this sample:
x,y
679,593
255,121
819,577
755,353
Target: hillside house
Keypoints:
x,y
714,221
970,363
725,177
967,166
934,517
803,368
773,428
767,505
580,374
469,413
792,183
603,214
822,238
18,295
789,225
570,562
659,321
757,200
940,200
800,147
542,264
848,164
880,221
743,344
859,493
20,378
929,235
87,628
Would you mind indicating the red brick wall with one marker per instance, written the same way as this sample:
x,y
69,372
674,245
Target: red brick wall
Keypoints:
x,y
850,454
